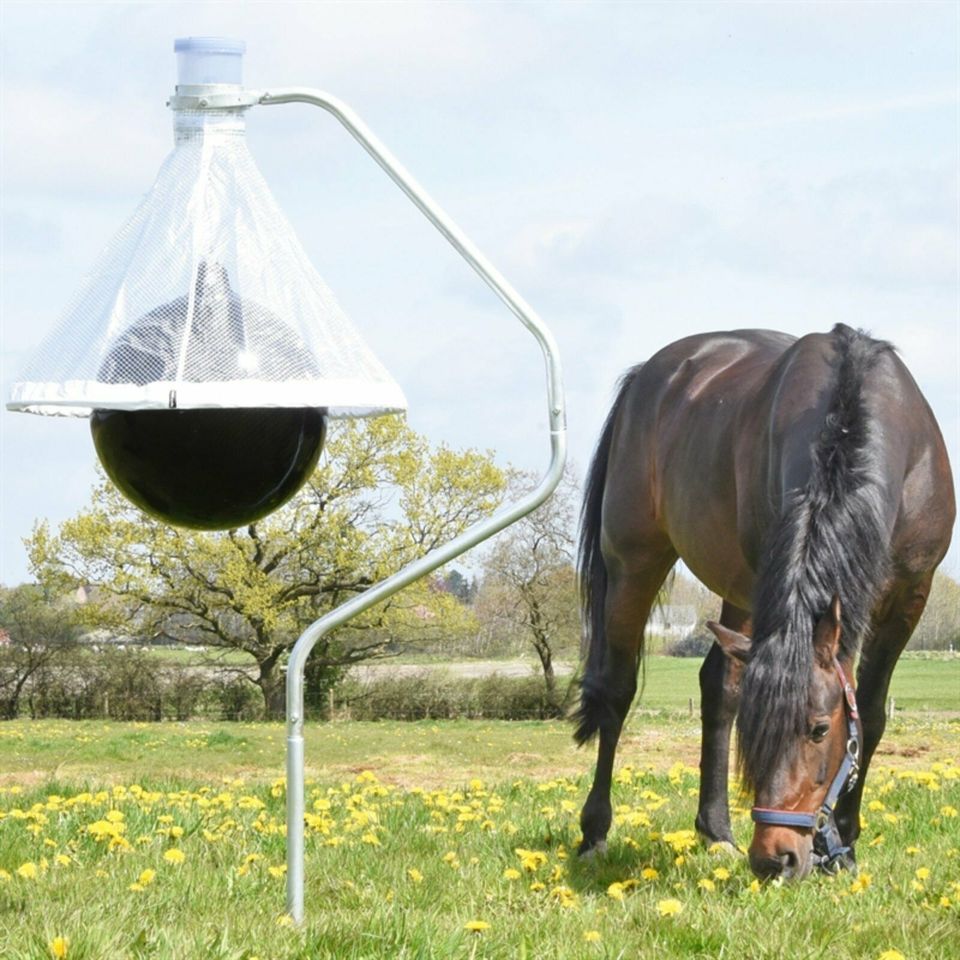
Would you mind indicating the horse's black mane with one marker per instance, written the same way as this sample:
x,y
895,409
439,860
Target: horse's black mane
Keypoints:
x,y
830,539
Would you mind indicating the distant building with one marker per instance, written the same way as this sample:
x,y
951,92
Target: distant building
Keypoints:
x,y
673,620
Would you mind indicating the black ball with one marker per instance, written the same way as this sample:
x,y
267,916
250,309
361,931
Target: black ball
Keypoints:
x,y
209,469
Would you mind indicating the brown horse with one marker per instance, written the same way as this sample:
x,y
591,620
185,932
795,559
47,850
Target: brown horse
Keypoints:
x,y
806,482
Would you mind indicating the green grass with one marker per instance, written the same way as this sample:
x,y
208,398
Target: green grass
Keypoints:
x,y
927,684
209,656
453,802
917,684
401,799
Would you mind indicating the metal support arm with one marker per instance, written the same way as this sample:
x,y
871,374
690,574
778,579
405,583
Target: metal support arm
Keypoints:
x,y
441,555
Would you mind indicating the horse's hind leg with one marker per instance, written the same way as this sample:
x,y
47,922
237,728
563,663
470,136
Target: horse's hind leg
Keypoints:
x,y
719,698
631,593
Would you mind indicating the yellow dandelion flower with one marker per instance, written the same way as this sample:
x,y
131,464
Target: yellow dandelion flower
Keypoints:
x,y
721,873
372,839
5,875
913,851
564,895
591,936
705,883
136,888
922,873
669,908
277,871
174,856
680,840
531,860
284,920
476,926
106,829
27,870
416,876
649,873
949,811
891,955
615,891
58,947
861,883
537,886
754,886
511,874
62,860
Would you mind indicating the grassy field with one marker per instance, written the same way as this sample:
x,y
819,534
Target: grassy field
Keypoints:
x,y
442,840
453,839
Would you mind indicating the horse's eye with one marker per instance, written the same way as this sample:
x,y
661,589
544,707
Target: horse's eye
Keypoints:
x,y
818,731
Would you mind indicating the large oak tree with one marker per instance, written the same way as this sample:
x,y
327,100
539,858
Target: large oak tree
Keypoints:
x,y
381,497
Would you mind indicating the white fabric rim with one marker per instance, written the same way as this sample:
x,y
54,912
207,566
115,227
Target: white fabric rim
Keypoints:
x,y
77,398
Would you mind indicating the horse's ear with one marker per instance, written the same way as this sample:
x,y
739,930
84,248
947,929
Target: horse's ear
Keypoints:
x,y
826,635
733,644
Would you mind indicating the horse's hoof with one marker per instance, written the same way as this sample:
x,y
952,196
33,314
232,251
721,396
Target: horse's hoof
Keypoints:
x,y
592,851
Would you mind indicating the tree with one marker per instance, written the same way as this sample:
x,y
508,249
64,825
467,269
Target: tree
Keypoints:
x,y
380,498
36,634
529,584
939,627
463,589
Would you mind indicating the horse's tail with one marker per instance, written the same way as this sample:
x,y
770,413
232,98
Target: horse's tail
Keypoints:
x,y
592,578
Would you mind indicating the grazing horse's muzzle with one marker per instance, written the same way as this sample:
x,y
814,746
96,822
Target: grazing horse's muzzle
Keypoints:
x,y
780,854
774,851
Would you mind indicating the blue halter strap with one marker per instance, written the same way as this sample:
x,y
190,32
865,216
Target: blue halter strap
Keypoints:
x,y
829,849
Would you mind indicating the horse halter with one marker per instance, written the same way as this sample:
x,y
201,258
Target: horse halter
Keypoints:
x,y
827,846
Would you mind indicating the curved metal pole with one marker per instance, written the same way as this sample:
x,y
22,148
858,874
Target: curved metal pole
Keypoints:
x,y
441,555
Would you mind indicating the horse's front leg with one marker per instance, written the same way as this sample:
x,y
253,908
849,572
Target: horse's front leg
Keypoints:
x,y
719,699
881,651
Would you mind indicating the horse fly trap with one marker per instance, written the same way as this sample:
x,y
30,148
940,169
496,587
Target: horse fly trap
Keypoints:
x,y
208,354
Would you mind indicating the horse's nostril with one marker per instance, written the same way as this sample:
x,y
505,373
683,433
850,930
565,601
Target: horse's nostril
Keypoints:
x,y
785,865
788,864
766,868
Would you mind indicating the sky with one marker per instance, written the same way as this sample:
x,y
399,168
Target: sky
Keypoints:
x,y
638,171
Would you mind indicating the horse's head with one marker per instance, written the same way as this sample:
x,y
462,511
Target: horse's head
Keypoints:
x,y
798,746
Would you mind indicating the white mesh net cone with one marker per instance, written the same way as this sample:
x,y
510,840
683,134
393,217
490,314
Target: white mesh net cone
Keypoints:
x,y
205,299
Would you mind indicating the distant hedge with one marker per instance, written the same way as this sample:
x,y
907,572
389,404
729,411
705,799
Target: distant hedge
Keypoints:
x,y
436,695
133,684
